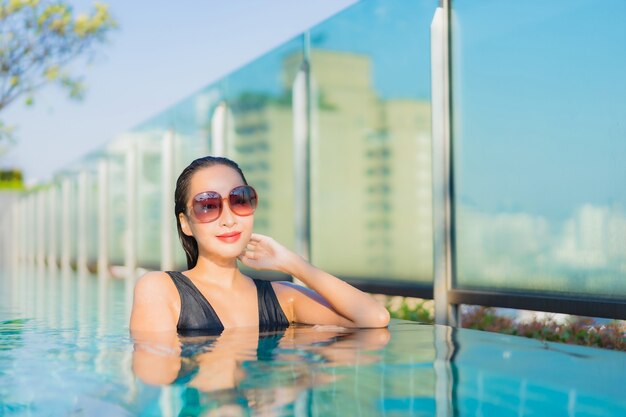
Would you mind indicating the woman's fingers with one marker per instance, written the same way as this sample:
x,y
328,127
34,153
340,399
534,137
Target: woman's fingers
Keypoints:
x,y
259,252
256,237
254,248
248,254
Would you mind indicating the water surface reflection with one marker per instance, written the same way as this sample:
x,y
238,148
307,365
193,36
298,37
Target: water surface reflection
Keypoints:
x,y
242,371
65,350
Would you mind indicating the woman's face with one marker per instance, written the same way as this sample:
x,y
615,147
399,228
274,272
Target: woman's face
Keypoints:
x,y
227,236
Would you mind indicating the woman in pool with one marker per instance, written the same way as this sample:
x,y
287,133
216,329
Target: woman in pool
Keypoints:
x,y
214,209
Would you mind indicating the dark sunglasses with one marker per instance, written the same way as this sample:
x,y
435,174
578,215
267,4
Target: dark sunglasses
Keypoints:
x,y
207,206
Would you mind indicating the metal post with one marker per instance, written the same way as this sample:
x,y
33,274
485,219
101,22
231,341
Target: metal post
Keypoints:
x,y
130,250
30,228
103,218
32,243
40,227
218,130
81,237
5,243
52,226
6,235
301,149
167,202
26,220
12,242
65,224
229,133
16,237
22,228
5,251
442,195
19,208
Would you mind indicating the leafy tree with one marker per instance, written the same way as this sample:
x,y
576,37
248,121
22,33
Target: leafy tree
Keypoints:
x,y
38,41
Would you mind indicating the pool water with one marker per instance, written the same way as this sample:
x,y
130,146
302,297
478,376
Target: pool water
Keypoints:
x,y
65,351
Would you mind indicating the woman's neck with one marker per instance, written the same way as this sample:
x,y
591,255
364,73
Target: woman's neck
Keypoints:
x,y
223,274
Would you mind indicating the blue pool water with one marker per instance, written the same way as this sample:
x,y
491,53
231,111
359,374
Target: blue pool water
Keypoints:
x,y
65,351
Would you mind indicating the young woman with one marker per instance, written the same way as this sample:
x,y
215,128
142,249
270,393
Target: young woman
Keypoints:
x,y
214,209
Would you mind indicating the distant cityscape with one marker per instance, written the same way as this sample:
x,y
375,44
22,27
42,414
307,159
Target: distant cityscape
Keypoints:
x,y
370,190
371,170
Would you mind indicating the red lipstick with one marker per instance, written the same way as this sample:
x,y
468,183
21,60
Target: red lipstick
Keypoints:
x,y
230,237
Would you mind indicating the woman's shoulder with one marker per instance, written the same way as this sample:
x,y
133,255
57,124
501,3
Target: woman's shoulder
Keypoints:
x,y
154,303
155,282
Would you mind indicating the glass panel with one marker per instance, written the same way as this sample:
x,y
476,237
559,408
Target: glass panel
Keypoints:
x,y
92,213
39,221
58,216
191,123
29,205
87,166
117,201
540,145
260,135
149,147
371,151
73,216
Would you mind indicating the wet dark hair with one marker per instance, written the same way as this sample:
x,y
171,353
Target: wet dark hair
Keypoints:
x,y
181,196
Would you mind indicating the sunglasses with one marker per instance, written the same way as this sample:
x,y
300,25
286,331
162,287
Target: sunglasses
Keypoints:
x,y
207,206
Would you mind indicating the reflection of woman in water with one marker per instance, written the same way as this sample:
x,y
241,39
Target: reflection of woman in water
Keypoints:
x,y
214,209
240,370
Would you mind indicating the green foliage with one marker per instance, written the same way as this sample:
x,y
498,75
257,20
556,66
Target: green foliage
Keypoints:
x,y
38,40
414,309
577,330
11,180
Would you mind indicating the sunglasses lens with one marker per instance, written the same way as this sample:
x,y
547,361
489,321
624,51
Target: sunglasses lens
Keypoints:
x,y
243,200
206,206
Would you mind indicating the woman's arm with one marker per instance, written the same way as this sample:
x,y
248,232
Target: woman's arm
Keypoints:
x,y
328,300
156,356
152,304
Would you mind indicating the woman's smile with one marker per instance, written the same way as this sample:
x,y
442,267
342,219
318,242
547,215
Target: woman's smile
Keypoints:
x,y
230,237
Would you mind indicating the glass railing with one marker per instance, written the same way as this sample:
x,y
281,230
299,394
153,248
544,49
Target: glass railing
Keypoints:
x,y
371,149
259,133
539,98
333,128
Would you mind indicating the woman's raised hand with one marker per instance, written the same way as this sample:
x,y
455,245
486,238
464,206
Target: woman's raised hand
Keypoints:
x,y
327,300
263,252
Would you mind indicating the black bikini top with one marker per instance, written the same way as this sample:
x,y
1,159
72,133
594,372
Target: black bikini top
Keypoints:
x,y
197,315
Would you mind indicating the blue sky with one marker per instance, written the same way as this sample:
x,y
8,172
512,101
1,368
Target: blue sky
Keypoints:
x,y
539,99
540,105
163,52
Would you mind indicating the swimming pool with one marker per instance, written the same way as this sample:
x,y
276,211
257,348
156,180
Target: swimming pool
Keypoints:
x,y
65,351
